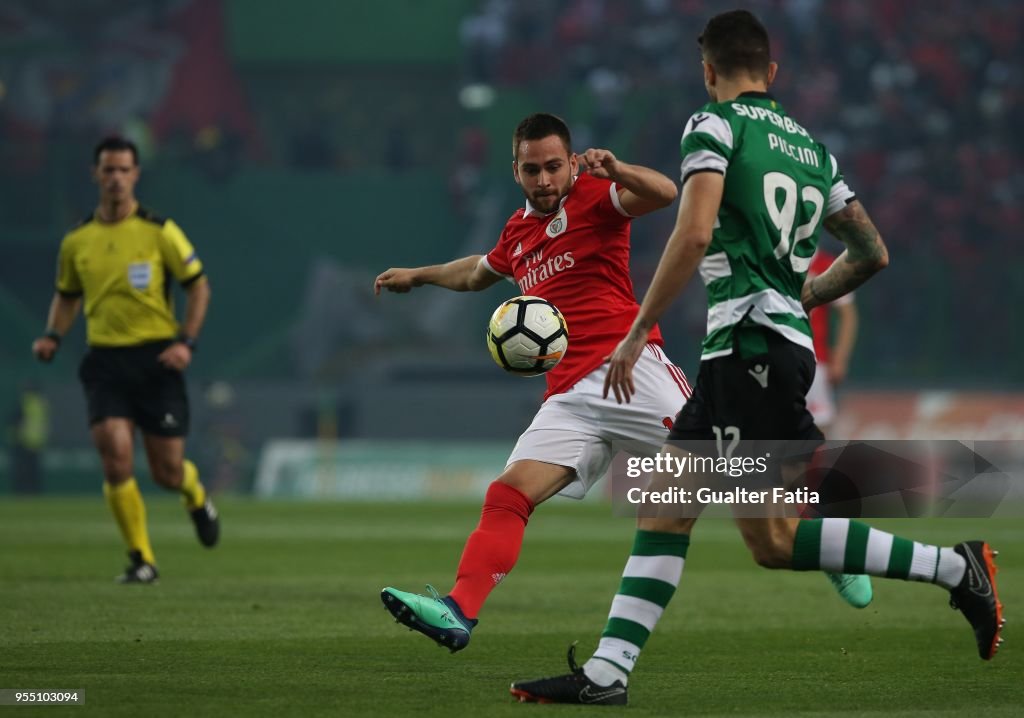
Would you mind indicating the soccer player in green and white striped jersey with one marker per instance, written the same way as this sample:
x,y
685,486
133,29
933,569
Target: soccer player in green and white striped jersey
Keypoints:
x,y
756,191
781,183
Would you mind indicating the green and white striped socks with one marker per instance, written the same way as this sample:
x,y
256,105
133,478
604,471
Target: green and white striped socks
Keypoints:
x,y
837,545
845,546
648,582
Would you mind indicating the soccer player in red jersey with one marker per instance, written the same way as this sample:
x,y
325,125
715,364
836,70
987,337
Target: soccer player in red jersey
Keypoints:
x,y
570,246
833,358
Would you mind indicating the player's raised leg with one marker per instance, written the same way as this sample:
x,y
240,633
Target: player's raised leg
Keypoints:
x,y
966,570
173,471
855,590
490,553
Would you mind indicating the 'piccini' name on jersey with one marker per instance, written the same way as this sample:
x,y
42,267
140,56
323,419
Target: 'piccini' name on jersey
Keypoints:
x,y
800,154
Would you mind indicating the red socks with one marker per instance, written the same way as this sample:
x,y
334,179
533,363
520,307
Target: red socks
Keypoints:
x,y
493,548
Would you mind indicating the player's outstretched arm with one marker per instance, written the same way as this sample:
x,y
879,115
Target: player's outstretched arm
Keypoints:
x,y
865,256
468,274
695,223
63,310
641,189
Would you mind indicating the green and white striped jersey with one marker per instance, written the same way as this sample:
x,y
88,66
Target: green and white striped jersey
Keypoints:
x,y
779,185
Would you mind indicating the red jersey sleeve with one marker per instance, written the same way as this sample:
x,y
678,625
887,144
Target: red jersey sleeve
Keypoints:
x,y
497,260
606,205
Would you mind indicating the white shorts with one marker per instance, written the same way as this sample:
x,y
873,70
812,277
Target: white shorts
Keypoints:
x,y
821,400
576,429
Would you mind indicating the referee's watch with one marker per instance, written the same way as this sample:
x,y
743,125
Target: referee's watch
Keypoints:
x,y
191,342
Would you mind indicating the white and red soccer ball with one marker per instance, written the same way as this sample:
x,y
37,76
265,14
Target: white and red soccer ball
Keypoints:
x,y
527,336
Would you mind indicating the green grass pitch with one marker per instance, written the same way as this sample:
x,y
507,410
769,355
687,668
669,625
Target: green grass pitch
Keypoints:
x,y
284,618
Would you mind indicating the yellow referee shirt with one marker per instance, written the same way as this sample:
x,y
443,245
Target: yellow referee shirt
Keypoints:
x,y
123,271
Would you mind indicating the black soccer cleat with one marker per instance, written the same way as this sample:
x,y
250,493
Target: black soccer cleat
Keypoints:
x,y
976,596
139,571
207,523
573,687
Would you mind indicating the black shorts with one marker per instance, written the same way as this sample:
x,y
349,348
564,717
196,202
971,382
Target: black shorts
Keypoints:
x,y
129,382
760,398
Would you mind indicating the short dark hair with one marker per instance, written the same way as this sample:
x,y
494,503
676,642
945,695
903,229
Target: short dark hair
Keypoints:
x,y
537,127
734,41
115,144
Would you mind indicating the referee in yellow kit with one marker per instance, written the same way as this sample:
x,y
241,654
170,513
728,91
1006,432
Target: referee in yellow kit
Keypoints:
x,y
120,262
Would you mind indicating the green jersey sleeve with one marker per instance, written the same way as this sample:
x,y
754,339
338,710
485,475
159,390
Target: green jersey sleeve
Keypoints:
x,y
706,145
840,194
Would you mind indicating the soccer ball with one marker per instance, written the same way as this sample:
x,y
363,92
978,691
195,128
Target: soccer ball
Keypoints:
x,y
527,336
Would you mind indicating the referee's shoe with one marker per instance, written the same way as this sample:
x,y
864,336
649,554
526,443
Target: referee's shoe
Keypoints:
x,y
139,571
207,523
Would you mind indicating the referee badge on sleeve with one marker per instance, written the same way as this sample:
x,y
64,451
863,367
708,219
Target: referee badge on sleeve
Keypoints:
x,y
140,274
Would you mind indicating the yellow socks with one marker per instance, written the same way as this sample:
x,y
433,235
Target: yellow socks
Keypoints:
x,y
125,502
191,489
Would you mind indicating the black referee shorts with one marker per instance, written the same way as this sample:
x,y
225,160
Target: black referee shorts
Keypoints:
x,y
129,382
760,398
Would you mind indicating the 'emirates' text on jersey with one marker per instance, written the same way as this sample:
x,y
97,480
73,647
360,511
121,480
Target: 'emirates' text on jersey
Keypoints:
x,y
577,258
779,185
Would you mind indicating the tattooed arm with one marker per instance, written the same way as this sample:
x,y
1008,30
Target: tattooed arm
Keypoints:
x,y
865,255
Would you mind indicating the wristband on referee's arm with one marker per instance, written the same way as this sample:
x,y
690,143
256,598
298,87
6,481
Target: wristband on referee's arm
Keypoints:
x,y
54,335
191,342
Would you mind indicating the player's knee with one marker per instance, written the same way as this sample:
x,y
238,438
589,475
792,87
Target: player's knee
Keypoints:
x,y
769,555
116,475
167,473
117,467
666,525
535,480
770,544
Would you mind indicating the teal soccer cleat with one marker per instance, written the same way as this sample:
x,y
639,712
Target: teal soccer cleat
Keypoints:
x,y
855,590
439,619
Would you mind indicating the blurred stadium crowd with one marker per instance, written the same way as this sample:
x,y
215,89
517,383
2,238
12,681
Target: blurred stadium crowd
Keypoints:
x,y
281,137
920,101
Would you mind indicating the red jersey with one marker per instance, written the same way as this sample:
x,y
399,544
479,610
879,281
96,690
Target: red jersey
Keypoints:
x,y
577,258
821,315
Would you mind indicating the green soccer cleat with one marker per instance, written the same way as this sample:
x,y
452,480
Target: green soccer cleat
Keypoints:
x,y
439,619
855,590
